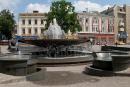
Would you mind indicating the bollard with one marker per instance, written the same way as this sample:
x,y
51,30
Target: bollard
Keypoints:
x,y
0,50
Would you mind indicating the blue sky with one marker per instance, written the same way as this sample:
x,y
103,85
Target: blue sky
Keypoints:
x,y
19,6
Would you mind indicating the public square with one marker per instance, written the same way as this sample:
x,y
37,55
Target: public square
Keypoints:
x,y
64,43
67,76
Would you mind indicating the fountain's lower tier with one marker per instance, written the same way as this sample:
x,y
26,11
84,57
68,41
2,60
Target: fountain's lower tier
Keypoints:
x,y
110,62
63,60
63,56
107,64
18,65
24,64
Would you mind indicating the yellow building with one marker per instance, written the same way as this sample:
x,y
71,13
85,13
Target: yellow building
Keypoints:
x,y
121,22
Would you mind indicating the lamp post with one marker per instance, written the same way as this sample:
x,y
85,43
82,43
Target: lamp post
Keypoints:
x,y
0,40
99,37
91,41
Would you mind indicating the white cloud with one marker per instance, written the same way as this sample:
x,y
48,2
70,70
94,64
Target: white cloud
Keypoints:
x,y
82,5
39,7
8,4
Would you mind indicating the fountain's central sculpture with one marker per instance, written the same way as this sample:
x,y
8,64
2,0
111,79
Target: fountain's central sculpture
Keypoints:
x,y
54,31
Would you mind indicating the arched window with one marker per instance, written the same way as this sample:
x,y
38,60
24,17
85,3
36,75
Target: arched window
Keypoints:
x,y
86,20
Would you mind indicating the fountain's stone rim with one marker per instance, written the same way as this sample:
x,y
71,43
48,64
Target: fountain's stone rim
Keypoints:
x,y
14,58
73,60
57,42
97,72
121,55
55,58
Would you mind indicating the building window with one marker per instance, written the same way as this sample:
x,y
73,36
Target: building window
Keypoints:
x,y
113,29
23,22
86,20
97,29
35,21
29,30
35,30
110,21
42,30
86,28
95,20
42,21
29,21
93,29
103,29
103,21
23,31
80,19
120,9
110,29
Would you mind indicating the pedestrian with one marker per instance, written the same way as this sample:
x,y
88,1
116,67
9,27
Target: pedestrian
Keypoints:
x,y
116,43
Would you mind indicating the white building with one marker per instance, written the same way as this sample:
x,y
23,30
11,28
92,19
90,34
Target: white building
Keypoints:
x,y
31,24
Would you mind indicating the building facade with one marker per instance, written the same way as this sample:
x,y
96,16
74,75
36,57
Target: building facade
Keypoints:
x,y
121,22
97,27
31,24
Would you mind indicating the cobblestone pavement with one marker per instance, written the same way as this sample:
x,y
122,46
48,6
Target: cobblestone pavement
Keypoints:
x,y
68,76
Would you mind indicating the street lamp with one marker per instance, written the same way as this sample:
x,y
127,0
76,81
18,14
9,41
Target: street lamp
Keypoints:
x,y
91,41
99,37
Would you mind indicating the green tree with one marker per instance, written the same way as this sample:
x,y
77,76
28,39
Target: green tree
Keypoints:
x,y
63,11
7,23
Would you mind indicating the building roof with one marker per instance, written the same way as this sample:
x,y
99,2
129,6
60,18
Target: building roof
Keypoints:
x,y
94,13
111,9
32,14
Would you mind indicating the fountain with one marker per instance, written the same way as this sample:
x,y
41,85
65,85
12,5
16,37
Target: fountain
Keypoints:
x,y
57,47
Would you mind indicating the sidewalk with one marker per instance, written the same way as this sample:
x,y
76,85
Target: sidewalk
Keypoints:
x,y
69,76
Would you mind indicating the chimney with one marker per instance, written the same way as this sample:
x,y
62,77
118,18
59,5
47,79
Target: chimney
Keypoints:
x,y
35,11
84,11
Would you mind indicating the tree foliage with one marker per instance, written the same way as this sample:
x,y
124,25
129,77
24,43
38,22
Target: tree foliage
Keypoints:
x,y
63,11
6,23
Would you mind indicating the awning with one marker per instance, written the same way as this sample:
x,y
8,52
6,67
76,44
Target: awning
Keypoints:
x,y
26,37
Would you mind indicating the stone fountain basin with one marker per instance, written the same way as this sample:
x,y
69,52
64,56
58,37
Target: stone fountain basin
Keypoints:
x,y
71,57
120,62
18,65
102,61
109,62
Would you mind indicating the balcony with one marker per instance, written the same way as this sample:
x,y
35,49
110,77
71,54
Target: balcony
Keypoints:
x,y
121,29
121,12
